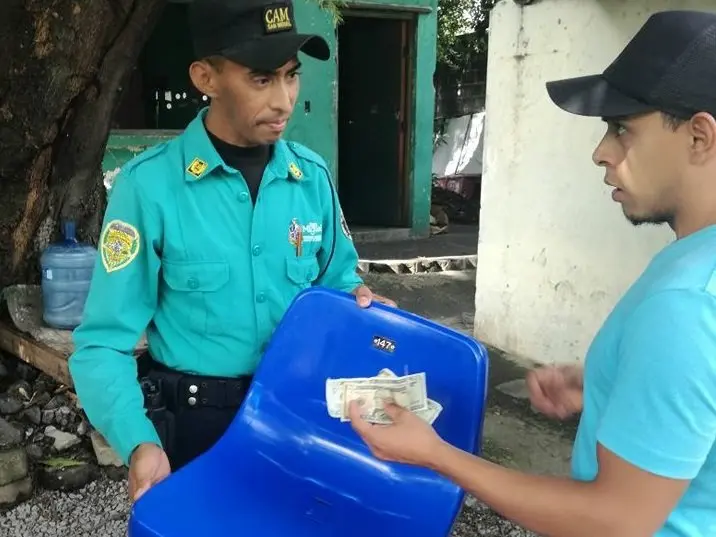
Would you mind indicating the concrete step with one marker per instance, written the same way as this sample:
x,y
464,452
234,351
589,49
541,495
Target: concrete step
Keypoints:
x,y
418,264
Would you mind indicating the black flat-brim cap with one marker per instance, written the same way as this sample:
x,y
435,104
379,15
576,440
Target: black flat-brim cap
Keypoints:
x,y
668,66
258,34
593,96
269,53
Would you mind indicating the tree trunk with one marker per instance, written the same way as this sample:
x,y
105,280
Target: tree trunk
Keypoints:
x,y
62,68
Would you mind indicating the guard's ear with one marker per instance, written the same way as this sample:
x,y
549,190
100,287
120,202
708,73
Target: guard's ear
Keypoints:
x,y
204,75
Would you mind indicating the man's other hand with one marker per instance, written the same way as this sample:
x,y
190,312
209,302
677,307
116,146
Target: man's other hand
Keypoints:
x,y
408,439
556,391
147,467
364,297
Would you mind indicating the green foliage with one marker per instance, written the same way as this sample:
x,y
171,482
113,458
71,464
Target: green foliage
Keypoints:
x,y
333,8
460,16
454,17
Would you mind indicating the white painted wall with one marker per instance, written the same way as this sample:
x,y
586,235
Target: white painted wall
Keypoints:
x,y
554,253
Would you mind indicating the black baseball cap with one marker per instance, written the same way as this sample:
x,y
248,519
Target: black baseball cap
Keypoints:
x,y
257,34
668,66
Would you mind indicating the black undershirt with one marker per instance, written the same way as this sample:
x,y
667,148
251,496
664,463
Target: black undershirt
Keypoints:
x,y
250,161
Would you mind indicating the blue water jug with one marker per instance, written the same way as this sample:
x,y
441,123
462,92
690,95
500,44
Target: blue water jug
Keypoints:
x,y
66,274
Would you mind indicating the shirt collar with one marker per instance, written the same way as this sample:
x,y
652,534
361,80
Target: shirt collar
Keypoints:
x,y
201,157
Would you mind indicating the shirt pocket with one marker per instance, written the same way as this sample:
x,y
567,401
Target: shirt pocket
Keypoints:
x,y
196,294
302,271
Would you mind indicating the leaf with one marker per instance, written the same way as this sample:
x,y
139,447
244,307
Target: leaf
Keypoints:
x,y
62,463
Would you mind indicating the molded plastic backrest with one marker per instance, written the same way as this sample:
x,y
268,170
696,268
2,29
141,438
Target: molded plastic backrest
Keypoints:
x,y
285,463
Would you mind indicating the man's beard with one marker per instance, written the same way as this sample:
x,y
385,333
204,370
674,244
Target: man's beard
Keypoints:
x,y
658,218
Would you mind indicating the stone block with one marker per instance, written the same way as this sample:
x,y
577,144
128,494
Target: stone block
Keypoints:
x,y
13,465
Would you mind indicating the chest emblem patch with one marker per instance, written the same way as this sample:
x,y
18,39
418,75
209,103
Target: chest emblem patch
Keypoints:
x,y
197,167
295,236
119,245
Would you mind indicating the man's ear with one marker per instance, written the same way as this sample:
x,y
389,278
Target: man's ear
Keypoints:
x,y
204,77
702,131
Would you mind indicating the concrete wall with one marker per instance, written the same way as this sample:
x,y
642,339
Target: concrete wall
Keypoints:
x,y
554,252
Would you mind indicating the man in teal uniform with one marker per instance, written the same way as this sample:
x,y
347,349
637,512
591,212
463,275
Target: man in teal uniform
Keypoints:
x,y
644,460
206,241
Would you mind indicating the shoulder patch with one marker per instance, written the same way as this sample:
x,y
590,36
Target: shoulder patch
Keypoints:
x,y
119,245
344,227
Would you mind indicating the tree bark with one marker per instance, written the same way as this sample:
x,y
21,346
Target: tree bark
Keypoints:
x,y
62,68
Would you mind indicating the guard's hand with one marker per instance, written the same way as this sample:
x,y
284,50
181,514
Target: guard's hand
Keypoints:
x,y
556,391
147,467
364,297
408,439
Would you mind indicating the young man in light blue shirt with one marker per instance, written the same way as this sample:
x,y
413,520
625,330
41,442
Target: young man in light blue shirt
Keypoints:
x,y
644,460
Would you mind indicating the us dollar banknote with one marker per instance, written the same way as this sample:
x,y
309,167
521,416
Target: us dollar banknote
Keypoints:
x,y
408,392
433,410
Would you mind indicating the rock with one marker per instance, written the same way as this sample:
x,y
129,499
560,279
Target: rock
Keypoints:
x,y
44,384
14,493
116,473
106,456
62,439
9,404
26,372
515,388
20,390
41,398
3,370
32,415
67,478
82,428
57,401
64,417
35,451
13,465
10,436
48,417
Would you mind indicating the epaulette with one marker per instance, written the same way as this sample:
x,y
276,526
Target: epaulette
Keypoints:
x,y
305,153
145,155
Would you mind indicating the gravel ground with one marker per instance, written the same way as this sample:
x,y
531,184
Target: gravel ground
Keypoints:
x,y
98,510
101,509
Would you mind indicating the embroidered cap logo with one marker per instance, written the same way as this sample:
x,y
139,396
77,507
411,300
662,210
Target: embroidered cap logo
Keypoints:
x,y
277,18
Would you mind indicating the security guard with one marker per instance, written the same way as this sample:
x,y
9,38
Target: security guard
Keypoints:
x,y
205,242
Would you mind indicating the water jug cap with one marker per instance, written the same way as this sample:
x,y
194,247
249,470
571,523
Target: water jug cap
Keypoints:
x,y
68,230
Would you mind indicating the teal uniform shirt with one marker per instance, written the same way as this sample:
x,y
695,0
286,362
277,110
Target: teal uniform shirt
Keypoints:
x,y
187,257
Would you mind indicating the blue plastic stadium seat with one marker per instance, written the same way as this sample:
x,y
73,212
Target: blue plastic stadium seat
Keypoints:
x,y
285,468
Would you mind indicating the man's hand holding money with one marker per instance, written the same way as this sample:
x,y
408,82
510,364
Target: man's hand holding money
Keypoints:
x,y
409,439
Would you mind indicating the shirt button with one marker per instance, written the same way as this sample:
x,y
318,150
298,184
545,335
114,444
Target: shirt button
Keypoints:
x,y
244,197
261,298
256,250
193,283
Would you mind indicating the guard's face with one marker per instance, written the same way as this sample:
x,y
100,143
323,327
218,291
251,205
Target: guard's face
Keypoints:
x,y
646,161
254,106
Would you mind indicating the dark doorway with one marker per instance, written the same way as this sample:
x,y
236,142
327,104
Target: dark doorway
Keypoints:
x,y
374,108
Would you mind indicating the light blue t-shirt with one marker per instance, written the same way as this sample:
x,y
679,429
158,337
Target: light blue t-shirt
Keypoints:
x,y
650,381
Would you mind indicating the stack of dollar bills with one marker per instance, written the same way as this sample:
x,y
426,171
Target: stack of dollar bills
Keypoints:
x,y
408,391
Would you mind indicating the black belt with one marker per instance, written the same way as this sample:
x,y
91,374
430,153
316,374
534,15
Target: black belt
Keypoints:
x,y
183,391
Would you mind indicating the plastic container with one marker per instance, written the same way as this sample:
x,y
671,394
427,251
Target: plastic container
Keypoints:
x,y
66,275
